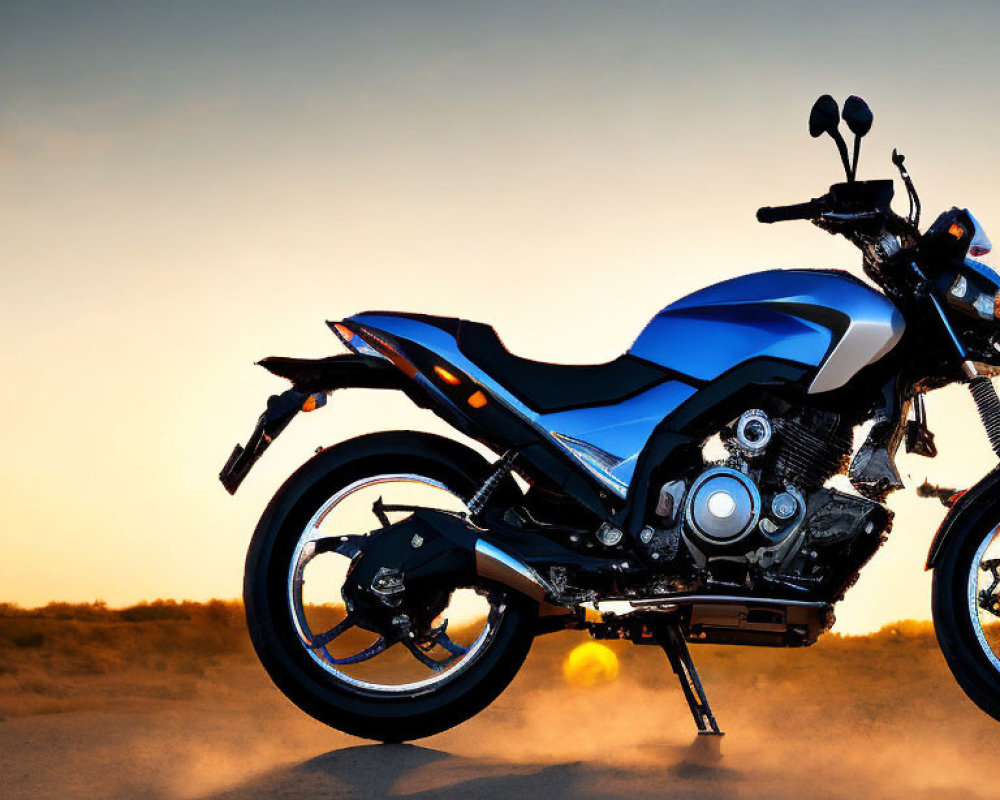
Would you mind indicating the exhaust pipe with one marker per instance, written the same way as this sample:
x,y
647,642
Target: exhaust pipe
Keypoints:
x,y
496,565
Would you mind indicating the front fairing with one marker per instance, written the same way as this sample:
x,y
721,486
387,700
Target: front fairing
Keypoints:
x,y
986,276
970,290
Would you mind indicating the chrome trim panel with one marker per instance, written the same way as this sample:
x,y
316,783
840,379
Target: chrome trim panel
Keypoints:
x,y
724,599
866,340
595,460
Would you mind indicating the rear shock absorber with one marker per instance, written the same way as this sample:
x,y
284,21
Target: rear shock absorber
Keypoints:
x,y
985,395
480,498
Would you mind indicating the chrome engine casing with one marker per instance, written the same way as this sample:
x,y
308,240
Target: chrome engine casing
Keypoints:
x,y
722,507
762,518
759,528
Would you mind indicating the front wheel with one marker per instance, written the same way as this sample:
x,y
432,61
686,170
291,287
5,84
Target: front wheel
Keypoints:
x,y
463,654
966,606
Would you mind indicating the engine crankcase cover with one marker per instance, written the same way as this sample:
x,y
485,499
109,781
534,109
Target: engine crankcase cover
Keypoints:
x,y
723,507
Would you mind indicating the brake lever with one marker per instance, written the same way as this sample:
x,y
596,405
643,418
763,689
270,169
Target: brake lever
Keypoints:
x,y
913,216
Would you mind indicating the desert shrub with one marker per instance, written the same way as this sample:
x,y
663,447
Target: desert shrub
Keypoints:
x,y
157,610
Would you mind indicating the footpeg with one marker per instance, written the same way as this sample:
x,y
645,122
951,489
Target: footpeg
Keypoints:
x,y
675,646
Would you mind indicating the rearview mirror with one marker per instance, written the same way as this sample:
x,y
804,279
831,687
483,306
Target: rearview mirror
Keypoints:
x,y
824,117
857,115
859,119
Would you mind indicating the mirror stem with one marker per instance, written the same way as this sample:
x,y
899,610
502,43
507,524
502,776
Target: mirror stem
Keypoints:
x,y
857,152
842,149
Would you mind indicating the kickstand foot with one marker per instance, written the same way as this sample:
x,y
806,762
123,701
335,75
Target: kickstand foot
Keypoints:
x,y
675,646
706,749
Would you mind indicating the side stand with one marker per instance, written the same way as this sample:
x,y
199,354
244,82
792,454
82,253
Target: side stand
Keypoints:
x,y
676,648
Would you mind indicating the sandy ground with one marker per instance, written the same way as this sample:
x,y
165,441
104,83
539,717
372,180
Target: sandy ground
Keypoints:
x,y
873,717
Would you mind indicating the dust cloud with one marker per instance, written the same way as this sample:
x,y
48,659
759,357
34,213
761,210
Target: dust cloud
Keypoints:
x,y
168,703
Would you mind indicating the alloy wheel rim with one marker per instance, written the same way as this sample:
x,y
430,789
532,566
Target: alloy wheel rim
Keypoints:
x,y
972,596
295,583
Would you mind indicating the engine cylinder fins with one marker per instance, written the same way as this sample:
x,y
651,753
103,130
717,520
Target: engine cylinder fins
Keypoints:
x,y
722,507
807,455
753,432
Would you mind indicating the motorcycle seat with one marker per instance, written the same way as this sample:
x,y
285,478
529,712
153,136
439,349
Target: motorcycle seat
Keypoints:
x,y
542,386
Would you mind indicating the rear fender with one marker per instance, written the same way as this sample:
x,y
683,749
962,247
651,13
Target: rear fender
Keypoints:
x,y
312,380
969,508
310,375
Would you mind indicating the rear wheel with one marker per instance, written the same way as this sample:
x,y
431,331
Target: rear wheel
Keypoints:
x,y
966,607
356,680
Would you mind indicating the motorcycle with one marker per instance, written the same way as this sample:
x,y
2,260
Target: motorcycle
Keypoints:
x,y
678,494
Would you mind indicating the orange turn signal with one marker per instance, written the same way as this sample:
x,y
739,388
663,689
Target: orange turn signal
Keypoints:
x,y
447,377
314,401
477,399
956,230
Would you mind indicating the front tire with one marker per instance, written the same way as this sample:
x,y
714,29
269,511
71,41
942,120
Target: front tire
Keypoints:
x,y
968,640
391,716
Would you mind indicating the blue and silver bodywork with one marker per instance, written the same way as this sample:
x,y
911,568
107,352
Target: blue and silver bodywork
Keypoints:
x,y
827,322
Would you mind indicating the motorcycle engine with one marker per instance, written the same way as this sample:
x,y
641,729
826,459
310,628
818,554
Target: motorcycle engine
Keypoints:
x,y
762,515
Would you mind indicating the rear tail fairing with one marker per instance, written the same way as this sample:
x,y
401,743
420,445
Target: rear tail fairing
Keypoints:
x,y
602,440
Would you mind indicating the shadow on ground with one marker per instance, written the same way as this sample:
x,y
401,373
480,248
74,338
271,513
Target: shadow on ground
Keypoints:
x,y
378,771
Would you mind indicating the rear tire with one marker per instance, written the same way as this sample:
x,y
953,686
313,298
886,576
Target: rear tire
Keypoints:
x,y
269,617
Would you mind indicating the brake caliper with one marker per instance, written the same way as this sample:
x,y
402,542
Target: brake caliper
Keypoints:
x,y
988,598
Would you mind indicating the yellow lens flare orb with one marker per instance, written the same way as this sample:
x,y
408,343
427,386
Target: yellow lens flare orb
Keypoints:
x,y
590,664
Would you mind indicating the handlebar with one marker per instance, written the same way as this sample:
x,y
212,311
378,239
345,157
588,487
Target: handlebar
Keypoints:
x,y
809,210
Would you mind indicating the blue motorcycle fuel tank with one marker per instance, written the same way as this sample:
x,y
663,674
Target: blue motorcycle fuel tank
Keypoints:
x,y
824,319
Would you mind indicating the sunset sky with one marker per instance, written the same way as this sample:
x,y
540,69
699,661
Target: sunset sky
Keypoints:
x,y
188,187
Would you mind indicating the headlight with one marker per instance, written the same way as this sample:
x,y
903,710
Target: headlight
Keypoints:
x,y
985,305
972,301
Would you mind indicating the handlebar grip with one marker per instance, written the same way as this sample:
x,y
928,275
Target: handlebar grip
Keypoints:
x,y
771,214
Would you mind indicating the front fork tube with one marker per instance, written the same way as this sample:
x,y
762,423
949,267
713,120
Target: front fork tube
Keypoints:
x,y
983,392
